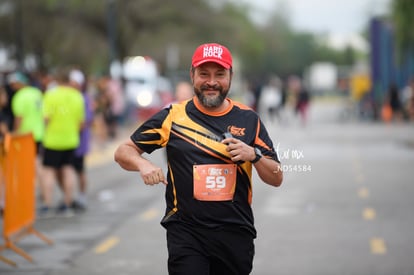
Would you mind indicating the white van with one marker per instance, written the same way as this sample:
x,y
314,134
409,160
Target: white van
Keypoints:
x,y
146,91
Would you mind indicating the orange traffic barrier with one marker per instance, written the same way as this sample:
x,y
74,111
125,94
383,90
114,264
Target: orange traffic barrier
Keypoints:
x,y
18,165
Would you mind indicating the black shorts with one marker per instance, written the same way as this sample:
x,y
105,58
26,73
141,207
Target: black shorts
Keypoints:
x,y
79,163
39,148
57,159
206,251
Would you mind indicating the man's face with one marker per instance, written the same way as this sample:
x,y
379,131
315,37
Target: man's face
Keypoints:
x,y
211,84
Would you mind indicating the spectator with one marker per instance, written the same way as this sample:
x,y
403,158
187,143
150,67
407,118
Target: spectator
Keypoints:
x,y
183,91
408,100
27,107
302,104
271,99
7,109
395,102
4,129
64,115
102,111
4,118
114,105
78,81
27,104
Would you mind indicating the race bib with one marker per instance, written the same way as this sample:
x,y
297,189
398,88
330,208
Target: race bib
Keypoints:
x,y
214,182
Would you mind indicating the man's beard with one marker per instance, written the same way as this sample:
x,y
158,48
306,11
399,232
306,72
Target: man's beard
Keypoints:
x,y
208,101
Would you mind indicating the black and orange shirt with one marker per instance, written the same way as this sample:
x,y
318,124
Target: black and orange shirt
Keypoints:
x,y
193,138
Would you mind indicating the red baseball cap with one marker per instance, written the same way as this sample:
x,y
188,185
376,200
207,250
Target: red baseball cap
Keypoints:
x,y
212,52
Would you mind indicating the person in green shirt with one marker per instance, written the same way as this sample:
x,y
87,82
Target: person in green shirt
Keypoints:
x,y
64,114
26,105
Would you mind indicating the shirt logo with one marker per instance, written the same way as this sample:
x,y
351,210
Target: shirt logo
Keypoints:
x,y
236,131
212,51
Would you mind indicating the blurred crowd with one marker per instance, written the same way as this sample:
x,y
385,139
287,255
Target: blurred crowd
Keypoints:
x,y
64,110
398,104
281,101
68,112
287,101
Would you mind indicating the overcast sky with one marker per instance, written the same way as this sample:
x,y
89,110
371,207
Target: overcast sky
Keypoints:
x,y
340,16
341,20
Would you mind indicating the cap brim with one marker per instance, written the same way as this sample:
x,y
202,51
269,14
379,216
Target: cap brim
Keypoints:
x,y
221,63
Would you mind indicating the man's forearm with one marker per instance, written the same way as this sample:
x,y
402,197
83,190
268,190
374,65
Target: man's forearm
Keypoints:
x,y
128,157
269,171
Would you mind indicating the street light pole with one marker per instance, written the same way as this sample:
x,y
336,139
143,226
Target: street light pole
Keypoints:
x,y
111,26
18,30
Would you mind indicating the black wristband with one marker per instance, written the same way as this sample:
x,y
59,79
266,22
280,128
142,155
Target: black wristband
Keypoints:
x,y
258,155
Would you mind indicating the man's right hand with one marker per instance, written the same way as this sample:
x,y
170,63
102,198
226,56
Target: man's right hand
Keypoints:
x,y
152,174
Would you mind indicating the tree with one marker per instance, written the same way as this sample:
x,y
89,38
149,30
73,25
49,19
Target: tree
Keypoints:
x,y
402,12
64,32
73,31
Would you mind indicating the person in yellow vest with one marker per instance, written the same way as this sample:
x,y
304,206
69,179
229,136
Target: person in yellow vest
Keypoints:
x,y
64,114
26,105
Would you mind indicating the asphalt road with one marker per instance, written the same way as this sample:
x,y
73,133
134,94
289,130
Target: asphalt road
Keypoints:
x,y
345,207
